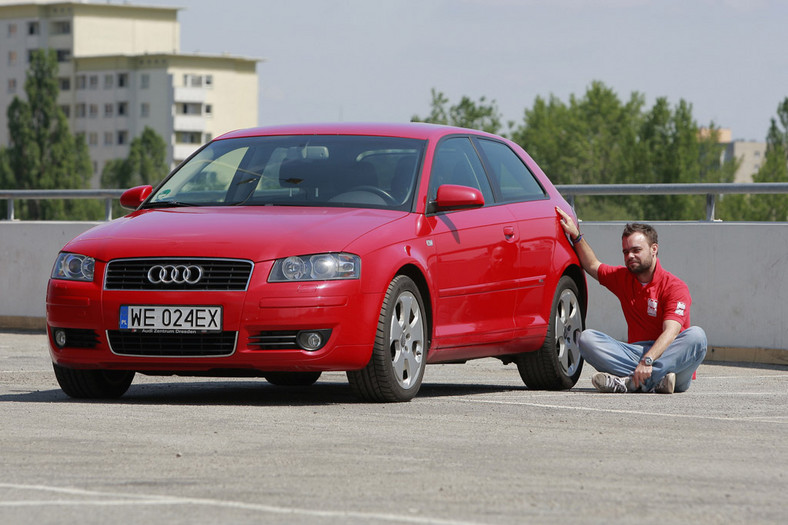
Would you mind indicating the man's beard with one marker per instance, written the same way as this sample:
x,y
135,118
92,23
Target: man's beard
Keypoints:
x,y
641,267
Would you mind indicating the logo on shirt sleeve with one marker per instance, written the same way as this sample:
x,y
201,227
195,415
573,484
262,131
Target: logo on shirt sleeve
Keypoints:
x,y
652,307
680,307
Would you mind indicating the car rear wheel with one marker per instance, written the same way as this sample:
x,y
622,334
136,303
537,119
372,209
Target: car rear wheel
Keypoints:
x,y
396,368
93,384
292,378
557,364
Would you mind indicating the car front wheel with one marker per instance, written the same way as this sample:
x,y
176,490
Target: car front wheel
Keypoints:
x,y
557,364
93,384
396,368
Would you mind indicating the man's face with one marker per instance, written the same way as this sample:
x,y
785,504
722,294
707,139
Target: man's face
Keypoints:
x,y
638,255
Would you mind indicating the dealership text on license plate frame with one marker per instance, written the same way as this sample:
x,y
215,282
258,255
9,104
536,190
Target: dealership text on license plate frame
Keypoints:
x,y
174,318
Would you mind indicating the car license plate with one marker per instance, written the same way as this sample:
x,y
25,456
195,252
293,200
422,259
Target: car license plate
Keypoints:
x,y
171,318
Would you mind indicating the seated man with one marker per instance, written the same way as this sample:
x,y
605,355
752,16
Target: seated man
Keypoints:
x,y
663,350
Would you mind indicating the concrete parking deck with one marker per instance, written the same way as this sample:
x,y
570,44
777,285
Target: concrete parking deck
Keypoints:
x,y
474,447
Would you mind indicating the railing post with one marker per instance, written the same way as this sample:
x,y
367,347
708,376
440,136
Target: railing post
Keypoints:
x,y
10,209
108,209
711,205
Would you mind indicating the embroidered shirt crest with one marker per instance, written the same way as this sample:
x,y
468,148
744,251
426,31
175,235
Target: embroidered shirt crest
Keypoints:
x,y
652,307
680,307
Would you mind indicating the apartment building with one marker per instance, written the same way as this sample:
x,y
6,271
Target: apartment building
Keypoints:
x,y
120,70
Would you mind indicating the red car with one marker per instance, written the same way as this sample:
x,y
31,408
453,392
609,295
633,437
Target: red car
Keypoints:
x,y
284,252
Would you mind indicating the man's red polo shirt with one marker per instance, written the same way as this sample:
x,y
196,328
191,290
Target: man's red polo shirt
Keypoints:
x,y
647,306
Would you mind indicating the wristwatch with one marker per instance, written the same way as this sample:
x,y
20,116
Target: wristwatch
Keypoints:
x,y
648,361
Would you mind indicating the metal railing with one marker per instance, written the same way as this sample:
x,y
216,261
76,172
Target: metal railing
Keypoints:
x,y
711,191
569,191
109,197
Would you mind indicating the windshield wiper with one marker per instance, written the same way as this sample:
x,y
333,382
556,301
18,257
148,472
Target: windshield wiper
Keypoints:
x,y
169,204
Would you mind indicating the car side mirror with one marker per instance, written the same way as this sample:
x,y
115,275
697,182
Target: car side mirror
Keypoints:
x,y
451,197
133,197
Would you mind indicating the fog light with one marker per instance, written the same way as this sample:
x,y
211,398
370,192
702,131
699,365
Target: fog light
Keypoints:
x,y
60,337
311,340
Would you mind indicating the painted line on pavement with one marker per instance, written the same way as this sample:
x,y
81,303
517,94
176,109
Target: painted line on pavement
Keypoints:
x,y
121,499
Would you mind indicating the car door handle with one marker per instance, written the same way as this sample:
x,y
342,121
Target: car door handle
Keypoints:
x,y
509,232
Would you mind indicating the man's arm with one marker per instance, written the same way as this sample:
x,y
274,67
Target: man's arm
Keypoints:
x,y
670,329
582,248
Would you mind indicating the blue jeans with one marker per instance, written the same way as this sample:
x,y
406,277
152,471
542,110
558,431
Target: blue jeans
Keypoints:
x,y
682,357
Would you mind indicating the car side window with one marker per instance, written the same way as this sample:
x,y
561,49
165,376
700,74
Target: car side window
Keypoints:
x,y
456,162
514,180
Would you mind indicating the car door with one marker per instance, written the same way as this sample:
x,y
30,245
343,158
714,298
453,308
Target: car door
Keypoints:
x,y
476,259
535,217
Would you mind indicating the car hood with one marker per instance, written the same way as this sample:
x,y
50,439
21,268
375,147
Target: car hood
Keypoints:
x,y
254,233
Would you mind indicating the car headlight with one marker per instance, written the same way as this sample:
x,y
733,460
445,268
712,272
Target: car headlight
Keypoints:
x,y
74,267
317,267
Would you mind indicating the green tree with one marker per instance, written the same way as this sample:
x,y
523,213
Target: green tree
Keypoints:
x,y
43,153
599,139
765,207
146,163
480,115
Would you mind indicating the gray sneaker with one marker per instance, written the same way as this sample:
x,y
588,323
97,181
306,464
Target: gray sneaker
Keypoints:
x,y
666,384
609,383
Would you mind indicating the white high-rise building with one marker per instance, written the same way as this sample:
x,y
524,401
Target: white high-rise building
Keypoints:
x,y
120,71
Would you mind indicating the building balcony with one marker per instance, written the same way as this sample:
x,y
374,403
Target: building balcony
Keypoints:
x,y
189,123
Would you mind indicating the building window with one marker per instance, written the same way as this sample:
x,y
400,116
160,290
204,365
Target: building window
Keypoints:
x,y
208,80
93,110
144,81
93,138
123,109
11,30
63,55
123,137
61,27
188,137
109,81
64,83
108,110
32,28
208,109
12,85
12,58
79,109
81,82
144,109
93,82
123,80
66,109
108,135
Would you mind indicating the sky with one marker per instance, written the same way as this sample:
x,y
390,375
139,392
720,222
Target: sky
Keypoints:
x,y
377,60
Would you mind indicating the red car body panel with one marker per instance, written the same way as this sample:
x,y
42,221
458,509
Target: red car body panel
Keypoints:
x,y
487,274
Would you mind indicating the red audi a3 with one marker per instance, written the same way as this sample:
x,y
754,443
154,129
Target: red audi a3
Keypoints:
x,y
285,252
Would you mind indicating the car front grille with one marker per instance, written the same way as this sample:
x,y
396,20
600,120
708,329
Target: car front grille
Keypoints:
x,y
214,274
145,344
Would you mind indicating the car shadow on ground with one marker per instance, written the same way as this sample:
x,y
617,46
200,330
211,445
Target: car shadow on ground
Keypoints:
x,y
252,393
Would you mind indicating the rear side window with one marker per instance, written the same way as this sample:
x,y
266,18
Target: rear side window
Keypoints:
x,y
515,181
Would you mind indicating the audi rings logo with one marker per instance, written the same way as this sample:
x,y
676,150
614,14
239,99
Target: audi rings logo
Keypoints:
x,y
175,274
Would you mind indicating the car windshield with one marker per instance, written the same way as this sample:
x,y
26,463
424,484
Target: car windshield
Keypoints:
x,y
311,170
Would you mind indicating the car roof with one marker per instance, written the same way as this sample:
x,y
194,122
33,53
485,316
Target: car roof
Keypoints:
x,y
416,130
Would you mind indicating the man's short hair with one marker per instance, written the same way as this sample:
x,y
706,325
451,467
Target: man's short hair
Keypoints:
x,y
639,227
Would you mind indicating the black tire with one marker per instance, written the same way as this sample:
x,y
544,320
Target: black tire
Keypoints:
x,y
396,368
292,378
93,384
557,364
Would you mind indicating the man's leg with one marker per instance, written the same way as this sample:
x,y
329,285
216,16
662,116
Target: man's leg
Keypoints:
x,y
610,355
683,357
